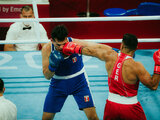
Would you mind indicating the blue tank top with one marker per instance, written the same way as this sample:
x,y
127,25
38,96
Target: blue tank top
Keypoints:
x,y
70,65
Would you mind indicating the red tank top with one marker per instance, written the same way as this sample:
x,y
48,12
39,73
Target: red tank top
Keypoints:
x,y
116,82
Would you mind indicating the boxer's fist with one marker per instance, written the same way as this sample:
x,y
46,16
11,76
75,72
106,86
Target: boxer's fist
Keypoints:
x,y
54,60
72,48
156,57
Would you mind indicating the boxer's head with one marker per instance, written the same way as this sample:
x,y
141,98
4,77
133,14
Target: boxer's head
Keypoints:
x,y
59,37
129,41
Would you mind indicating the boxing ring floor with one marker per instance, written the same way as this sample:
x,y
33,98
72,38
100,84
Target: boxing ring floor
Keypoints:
x,y
27,87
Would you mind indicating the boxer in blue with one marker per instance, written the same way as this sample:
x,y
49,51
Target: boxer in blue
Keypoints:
x,y
67,76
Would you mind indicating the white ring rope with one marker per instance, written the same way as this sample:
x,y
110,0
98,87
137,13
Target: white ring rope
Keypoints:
x,y
83,19
93,40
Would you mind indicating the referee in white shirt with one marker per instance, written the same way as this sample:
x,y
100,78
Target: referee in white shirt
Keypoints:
x,y
25,31
8,110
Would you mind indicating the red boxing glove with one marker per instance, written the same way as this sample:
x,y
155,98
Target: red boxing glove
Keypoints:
x,y
71,48
156,57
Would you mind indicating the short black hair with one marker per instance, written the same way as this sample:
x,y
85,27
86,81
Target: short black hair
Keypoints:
x,y
130,41
1,85
59,32
26,8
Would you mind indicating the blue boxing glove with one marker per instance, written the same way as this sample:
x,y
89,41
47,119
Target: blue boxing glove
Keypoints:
x,y
117,50
54,60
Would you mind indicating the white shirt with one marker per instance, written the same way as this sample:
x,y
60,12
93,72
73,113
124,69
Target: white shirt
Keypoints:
x,y
8,110
16,32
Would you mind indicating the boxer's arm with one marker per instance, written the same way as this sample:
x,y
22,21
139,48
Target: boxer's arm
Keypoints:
x,y
82,43
46,50
101,51
143,75
85,43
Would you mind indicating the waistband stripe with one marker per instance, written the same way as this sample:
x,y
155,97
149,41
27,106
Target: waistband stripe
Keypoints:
x,y
69,76
122,99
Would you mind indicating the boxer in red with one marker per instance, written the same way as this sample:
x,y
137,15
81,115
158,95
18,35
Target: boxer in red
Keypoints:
x,y
124,75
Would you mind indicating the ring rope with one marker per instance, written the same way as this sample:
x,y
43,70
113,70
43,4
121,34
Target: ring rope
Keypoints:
x,y
82,19
93,40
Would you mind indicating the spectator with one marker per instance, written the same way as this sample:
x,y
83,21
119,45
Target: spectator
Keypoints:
x,y
8,110
24,31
